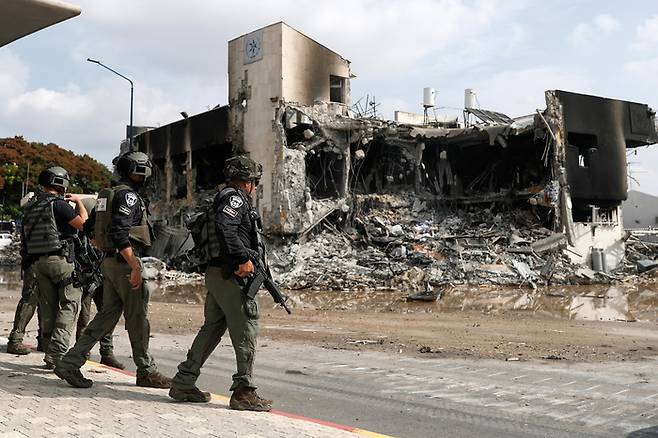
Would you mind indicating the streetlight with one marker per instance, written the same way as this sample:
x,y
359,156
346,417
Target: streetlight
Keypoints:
x,y
130,133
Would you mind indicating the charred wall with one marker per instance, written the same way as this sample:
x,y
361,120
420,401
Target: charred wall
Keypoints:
x,y
188,155
598,132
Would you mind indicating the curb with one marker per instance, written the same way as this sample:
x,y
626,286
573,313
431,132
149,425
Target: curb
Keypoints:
x,y
225,399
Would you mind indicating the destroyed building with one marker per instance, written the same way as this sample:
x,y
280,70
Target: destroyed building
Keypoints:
x,y
290,109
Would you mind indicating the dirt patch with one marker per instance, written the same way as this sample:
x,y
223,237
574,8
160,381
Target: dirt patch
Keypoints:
x,y
426,333
478,323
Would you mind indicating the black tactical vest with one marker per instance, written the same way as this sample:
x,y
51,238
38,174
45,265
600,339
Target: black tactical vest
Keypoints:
x,y
40,233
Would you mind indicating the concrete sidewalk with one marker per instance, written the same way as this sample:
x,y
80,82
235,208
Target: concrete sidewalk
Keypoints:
x,y
34,402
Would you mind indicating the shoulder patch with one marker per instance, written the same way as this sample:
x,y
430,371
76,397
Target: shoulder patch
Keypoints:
x,y
131,199
125,210
101,204
229,211
236,201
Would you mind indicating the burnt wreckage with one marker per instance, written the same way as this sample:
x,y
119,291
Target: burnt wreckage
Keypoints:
x,y
563,167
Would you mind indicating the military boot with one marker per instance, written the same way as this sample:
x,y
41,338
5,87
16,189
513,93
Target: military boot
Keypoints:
x,y
50,361
111,361
194,395
246,399
41,345
18,348
154,380
73,377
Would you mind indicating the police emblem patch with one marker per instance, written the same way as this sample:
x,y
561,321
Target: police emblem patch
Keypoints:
x,y
229,211
236,201
131,199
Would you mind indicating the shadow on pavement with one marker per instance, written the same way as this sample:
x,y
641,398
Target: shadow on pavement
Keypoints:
x,y
31,381
650,432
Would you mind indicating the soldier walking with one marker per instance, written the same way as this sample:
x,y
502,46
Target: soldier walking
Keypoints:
x,y
122,231
236,230
88,260
49,224
25,309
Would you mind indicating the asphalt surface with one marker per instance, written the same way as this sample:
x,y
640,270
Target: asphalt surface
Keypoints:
x,y
411,397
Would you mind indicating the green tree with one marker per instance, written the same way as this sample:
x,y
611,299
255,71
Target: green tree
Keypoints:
x,y
87,174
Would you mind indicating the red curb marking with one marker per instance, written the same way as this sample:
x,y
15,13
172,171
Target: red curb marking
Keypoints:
x,y
273,411
116,370
313,420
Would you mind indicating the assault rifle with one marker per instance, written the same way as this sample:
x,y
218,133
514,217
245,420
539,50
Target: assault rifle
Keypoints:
x,y
263,277
87,274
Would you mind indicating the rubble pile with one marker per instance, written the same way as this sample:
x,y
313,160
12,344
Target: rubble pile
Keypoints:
x,y
156,270
400,242
10,254
641,255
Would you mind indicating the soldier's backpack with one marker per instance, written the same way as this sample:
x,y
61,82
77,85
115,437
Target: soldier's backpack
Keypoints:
x,y
201,224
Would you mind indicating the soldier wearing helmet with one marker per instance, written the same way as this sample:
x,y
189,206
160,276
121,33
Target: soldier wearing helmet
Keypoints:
x,y
49,223
237,226
120,227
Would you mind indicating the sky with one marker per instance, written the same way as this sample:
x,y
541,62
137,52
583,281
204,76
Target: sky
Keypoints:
x,y
509,51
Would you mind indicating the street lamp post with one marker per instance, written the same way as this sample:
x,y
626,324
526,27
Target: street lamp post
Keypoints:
x,y
130,133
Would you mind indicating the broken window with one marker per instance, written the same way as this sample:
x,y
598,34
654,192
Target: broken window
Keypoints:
x,y
336,89
474,168
179,183
586,145
325,172
596,214
209,163
378,166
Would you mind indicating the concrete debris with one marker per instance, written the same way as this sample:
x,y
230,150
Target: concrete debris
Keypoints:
x,y
646,265
551,243
10,254
156,270
392,241
423,296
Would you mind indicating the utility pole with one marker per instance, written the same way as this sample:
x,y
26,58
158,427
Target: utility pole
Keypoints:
x,y
130,129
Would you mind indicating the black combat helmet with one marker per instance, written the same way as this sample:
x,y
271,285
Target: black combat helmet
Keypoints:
x,y
133,163
56,177
242,168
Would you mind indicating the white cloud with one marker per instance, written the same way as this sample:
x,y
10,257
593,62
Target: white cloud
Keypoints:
x,y
177,56
14,74
191,40
587,33
520,92
581,34
646,68
606,23
646,36
88,121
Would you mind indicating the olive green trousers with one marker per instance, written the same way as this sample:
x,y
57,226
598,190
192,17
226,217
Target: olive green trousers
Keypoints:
x,y
226,307
118,298
58,305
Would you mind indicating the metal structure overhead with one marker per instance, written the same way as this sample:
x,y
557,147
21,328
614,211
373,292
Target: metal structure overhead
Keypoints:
x,y
19,18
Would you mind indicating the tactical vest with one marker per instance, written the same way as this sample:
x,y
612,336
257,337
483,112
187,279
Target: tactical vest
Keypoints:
x,y
139,234
203,230
40,233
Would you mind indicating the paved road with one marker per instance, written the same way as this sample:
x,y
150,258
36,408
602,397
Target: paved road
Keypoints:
x,y
35,403
413,397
